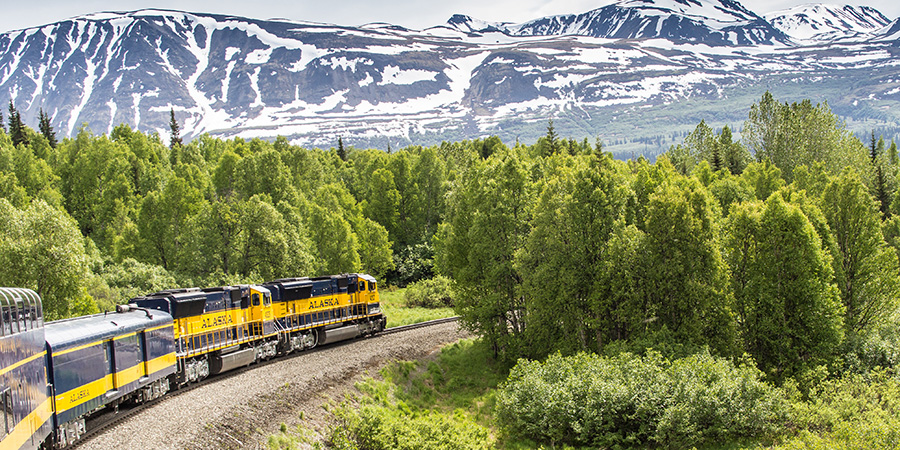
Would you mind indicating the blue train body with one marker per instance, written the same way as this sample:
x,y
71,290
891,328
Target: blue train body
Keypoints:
x,y
104,360
24,400
55,375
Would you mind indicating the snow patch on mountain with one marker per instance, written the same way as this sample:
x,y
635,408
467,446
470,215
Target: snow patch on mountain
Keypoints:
x,y
231,76
827,22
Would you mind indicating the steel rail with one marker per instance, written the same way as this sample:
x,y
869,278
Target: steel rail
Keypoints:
x,y
96,425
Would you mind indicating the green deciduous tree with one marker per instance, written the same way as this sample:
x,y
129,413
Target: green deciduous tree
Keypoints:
x,y
333,242
566,249
374,248
487,224
98,178
42,249
270,247
801,133
865,269
164,220
682,275
789,312
383,203
763,178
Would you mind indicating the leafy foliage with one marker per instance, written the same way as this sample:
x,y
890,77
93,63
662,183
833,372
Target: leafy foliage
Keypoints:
x,y
488,224
432,293
788,310
631,401
41,248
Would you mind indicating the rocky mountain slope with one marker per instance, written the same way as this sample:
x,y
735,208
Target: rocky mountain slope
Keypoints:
x,y
814,23
610,72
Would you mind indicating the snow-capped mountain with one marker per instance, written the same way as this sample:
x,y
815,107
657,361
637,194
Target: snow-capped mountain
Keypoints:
x,y
615,68
712,22
827,22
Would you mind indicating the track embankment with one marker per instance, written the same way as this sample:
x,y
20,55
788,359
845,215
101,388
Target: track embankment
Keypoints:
x,y
241,411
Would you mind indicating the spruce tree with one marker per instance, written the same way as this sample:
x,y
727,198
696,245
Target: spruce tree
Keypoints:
x,y
552,138
46,128
715,160
892,152
2,125
873,149
881,191
342,153
16,127
174,130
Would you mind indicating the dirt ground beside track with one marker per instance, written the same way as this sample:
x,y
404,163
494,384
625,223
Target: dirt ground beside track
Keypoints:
x,y
241,411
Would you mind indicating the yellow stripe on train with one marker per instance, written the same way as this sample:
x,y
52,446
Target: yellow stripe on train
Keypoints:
x,y
23,430
97,388
22,362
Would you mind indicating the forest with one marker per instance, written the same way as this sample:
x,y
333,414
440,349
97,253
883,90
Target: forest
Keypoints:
x,y
771,259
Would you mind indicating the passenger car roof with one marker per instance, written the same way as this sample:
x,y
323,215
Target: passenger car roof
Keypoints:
x,y
69,333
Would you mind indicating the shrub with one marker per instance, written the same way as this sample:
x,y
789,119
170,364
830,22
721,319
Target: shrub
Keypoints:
x,y
637,401
379,428
433,293
412,263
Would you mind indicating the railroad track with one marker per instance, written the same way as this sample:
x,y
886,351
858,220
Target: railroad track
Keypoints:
x,y
105,420
413,326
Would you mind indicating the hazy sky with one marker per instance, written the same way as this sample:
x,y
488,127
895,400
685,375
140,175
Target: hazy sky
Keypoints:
x,y
17,14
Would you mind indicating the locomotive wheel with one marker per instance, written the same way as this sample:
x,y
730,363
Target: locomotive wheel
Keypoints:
x,y
310,340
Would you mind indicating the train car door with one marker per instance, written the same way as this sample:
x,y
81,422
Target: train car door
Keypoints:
x,y
110,353
261,309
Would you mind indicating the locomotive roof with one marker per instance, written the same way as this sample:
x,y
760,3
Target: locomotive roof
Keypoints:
x,y
367,277
67,333
197,293
307,280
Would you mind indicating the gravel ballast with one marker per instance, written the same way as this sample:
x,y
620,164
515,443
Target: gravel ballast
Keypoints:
x,y
243,410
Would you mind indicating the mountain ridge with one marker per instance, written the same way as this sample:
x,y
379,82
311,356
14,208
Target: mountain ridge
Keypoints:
x,y
233,76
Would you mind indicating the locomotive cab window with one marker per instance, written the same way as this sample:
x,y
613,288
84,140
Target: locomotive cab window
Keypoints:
x,y
362,286
372,286
267,299
255,298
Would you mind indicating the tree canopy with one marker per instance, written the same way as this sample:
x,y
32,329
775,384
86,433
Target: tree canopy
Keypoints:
x,y
778,244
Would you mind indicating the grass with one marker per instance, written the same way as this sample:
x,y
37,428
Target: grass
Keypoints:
x,y
398,314
445,403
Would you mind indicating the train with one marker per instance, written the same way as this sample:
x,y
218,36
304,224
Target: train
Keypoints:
x,y
56,375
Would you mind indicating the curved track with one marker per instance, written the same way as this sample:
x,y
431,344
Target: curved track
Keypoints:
x,y
97,424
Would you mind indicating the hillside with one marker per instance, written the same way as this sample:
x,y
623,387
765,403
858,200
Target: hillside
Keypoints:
x,y
613,73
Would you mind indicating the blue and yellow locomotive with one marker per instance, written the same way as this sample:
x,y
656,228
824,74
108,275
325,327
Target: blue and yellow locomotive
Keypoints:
x,y
223,328
56,375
